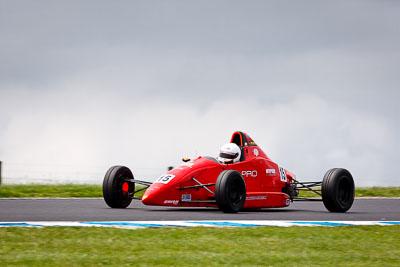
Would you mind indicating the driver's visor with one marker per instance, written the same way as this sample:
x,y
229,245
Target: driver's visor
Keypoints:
x,y
228,155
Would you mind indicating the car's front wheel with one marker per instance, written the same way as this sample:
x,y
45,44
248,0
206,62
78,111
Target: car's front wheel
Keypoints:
x,y
338,190
230,191
118,187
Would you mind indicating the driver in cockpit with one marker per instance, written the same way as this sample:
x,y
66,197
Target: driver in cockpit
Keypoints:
x,y
229,153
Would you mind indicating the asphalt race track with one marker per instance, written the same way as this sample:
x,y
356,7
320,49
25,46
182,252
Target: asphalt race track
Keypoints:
x,y
19,210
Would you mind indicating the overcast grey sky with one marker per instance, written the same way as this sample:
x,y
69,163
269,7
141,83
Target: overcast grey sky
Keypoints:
x,y
143,83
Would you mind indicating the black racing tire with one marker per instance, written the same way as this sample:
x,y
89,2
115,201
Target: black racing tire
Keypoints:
x,y
113,181
338,190
230,191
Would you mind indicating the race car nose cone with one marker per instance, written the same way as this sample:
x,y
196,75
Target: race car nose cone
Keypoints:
x,y
161,195
146,198
150,197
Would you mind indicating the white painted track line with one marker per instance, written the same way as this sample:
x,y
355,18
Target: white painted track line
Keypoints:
x,y
211,223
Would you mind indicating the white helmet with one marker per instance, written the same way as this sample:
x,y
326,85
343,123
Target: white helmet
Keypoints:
x,y
229,153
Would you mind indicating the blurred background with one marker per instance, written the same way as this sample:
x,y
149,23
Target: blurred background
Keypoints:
x,y
85,85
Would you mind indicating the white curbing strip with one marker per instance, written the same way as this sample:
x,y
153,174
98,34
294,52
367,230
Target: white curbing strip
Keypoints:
x,y
213,223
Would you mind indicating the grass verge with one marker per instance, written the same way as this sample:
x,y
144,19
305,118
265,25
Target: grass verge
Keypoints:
x,y
67,190
37,190
294,246
378,192
70,190
365,192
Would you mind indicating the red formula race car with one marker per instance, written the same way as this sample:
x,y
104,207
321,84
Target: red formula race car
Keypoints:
x,y
253,181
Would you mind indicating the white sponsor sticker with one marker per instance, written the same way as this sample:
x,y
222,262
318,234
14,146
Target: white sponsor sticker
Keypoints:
x,y
256,198
270,172
165,179
174,202
282,174
255,152
249,173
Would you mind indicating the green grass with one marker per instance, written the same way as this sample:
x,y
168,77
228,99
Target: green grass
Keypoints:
x,y
35,190
378,192
365,192
272,246
68,190
96,191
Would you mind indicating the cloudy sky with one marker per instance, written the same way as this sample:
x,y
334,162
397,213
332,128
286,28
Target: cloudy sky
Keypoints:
x,y
89,84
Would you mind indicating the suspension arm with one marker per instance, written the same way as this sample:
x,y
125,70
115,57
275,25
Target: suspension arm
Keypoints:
x,y
200,185
307,186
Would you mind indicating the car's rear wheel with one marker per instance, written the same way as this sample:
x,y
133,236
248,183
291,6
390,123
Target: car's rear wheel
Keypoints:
x,y
230,191
338,190
118,187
